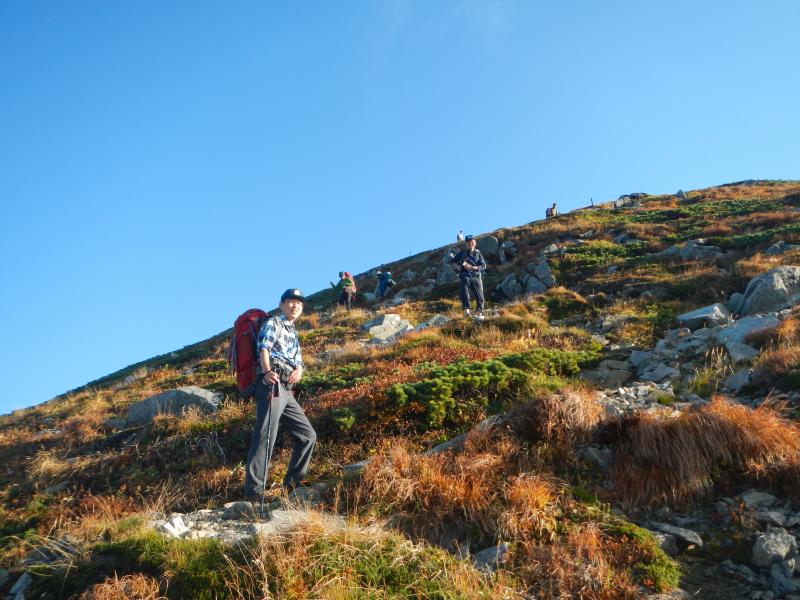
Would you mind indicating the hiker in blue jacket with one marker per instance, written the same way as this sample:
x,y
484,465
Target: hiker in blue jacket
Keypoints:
x,y
384,281
470,265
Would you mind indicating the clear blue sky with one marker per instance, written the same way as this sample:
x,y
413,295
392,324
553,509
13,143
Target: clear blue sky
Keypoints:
x,y
166,165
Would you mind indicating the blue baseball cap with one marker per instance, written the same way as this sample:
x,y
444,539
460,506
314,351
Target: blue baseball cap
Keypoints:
x,y
293,294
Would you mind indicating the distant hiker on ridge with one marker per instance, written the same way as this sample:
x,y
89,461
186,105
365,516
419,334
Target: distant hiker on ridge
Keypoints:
x,y
460,236
470,264
384,281
551,212
280,367
347,287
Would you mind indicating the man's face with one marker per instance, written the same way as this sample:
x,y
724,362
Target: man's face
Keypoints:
x,y
471,245
292,308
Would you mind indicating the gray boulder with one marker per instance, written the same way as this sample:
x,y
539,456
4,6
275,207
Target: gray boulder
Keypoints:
x,y
510,286
685,535
778,247
708,316
541,270
489,246
734,303
739,330
667,542
238,511
446,272
434,321
737,381
173,402
772,291
756,499
658,373
387,327
776,545
740,353
691,250
534,286
488,559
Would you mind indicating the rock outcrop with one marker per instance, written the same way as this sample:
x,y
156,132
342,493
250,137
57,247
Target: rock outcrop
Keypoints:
x,y
172,402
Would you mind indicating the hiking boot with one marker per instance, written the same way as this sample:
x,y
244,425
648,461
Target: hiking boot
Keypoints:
x,y
467,312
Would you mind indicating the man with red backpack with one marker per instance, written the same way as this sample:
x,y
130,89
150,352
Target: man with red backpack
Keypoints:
x,y
279,368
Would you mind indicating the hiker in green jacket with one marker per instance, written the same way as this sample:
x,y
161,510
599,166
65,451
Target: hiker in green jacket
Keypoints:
x,y
347,289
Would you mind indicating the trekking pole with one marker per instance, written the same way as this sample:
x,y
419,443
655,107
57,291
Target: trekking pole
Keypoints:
x,y
269,448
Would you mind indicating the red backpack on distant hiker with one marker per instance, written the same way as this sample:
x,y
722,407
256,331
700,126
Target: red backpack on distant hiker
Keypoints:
x,y
243,351
353,279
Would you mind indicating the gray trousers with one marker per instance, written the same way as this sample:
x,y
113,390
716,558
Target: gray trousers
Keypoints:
x,y
471,286
272,410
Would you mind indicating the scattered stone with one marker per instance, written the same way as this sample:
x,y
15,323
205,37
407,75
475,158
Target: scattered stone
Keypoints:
x,y
510,286
550,249
56,487
737,381
772,291
621,238
488,559
173,402
457,443
776,545
742,572
639,357
734,303
783,582
740,353
282,521
408,275
542,271
771,517
666,542
308,496
489,246
534,286
238,510
686,535
738,331
446,272
354,469
434,321
708,316
691,250
387,328
756,499
659,373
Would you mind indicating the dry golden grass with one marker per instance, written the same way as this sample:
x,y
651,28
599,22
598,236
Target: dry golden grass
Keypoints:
x,y
582,566
753,265
289,567
49,466
784,332
676,460
532,508
445,488
561,419
129,587
777,361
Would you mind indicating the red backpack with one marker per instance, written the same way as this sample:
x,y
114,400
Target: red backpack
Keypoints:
x,y
353,279
243,351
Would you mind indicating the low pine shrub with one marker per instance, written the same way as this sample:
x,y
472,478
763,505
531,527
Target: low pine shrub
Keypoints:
x,y
458,390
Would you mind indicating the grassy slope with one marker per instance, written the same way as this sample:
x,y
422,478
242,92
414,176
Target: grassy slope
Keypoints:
x,y
526,484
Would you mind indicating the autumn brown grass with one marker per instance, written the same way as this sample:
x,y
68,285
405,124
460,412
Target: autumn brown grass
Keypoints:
x,y
675,460
129,587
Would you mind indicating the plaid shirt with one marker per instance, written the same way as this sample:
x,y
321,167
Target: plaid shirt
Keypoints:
x,y
282,344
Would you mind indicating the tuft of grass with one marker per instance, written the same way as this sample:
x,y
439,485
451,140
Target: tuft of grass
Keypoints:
x,y
129,587
676,460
